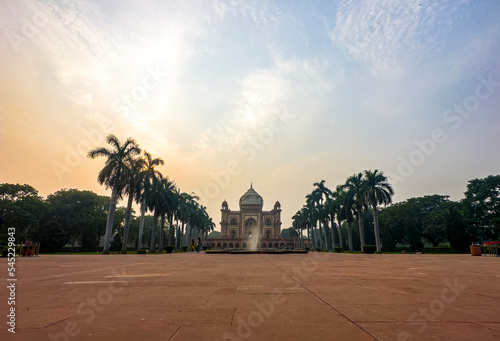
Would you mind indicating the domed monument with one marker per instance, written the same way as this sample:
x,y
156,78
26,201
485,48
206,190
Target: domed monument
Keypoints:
x,y
251,227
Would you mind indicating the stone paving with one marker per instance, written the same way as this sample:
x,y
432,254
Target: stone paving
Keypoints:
x,y
314,296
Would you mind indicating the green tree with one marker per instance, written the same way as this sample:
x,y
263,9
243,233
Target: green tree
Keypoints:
x,y
51,235
112,175
376,191
133,174
482,207
81,214
20,207
149,175
214,234
320,194
354,197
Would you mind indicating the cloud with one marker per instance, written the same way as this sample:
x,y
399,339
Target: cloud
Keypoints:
x,y
390,32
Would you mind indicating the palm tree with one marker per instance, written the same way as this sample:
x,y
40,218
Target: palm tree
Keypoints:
x,y
187,205
159,202
333,206
150,174
298,223
376,191
169,200
354,187
134,167
346,212
313,218
320,193
112,175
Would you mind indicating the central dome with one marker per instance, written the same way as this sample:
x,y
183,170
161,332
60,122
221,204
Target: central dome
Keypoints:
x,y
251,199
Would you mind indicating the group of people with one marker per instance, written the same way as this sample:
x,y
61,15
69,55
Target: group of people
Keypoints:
x,y
196,245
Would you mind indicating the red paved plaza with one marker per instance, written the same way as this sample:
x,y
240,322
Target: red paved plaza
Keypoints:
x,y
313,296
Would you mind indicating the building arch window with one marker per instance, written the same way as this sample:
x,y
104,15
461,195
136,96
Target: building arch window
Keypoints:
x,y
233,232
268,234
251,222
234,222
231,245
268,222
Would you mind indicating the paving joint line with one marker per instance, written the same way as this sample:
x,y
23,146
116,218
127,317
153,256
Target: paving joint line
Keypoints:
x,y
232,316
303,286
170,338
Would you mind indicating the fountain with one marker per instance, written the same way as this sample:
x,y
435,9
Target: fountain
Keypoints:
x,y
253,241
244,230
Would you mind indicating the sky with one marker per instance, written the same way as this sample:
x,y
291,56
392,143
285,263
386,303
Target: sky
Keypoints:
x,y
280,94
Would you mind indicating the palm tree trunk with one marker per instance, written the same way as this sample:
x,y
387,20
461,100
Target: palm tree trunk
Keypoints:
x,y
361,229
341,243
153,232
177,234
111,218
141,223
325,234
171,240
162,229
317,242
349,235
182,235
309,237
376,229
127,223
333,234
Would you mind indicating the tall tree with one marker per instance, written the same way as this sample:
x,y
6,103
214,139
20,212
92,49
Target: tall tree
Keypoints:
x,y
20,207
134,168
377,191
482,207
111,175
354,196
313,218
149,175
321,193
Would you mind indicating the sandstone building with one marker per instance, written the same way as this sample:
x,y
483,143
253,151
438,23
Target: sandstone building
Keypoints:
x,y
250,227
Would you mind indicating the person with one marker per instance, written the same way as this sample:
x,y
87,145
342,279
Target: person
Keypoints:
x,y
198,245
193,244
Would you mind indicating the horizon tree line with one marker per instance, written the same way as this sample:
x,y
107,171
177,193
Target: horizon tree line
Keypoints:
x,y
430,220
325,210
132,172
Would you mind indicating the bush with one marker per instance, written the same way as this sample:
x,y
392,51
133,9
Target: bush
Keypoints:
x,y
307,248
439,249
317,249
141,252
369,249
206,247
169,248
338,249
184,249
71,249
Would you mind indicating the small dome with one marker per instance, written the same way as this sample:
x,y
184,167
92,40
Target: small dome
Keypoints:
x,y
277,204
224,204
251,199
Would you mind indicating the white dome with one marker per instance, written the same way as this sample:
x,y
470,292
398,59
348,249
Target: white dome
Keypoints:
x,y
251,198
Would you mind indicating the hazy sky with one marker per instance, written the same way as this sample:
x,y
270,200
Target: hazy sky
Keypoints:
x,y
278,93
